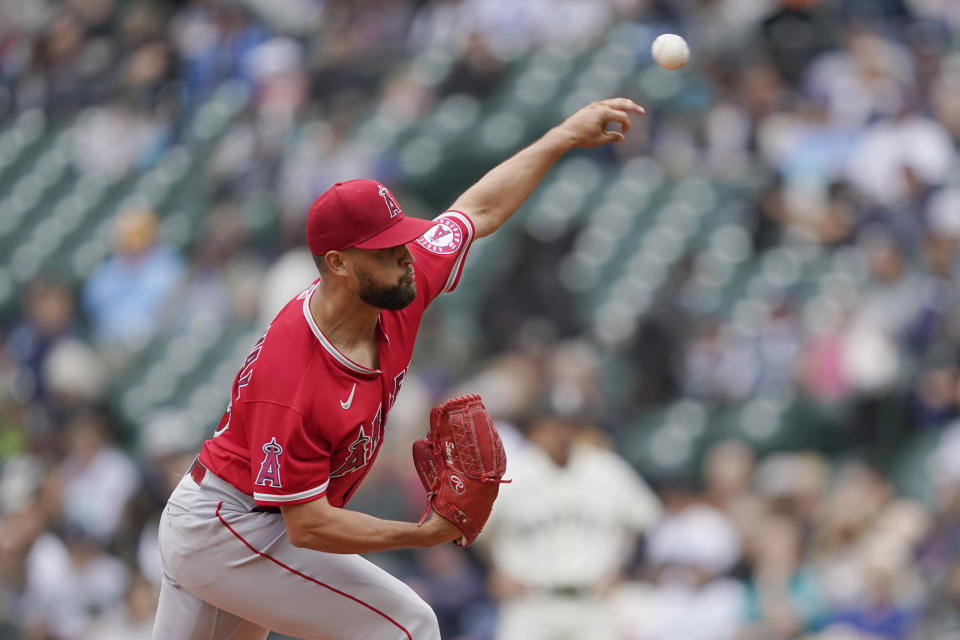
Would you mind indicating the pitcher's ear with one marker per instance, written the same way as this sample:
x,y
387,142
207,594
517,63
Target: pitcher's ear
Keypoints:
x,y
334,262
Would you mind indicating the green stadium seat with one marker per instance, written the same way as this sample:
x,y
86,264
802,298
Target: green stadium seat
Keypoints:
x,y
20,137
454,115
912,473
536,87
432,66
8,290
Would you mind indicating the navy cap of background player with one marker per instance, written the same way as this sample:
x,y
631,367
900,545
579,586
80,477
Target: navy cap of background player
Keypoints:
x,y
361,214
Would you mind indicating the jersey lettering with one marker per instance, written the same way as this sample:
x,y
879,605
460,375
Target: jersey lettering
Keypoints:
x,y
243,379
358,457
377,429
224,422
269,475
397,381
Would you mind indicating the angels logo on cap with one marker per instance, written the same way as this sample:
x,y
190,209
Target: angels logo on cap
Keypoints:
x,y
444,238
351,214
391,203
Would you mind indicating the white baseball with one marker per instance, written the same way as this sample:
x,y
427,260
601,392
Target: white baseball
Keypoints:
x,y
670,51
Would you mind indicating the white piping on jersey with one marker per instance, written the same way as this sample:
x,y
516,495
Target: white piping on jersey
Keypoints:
x,y
309,493
332,350
467,224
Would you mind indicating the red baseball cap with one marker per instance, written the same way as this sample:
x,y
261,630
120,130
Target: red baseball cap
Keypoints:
x,y
361,214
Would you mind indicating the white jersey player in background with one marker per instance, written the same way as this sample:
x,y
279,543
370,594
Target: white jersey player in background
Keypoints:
x,y
561,532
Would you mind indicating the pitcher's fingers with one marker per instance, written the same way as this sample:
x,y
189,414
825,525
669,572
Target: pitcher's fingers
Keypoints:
x,y
615,115
623,104
612,136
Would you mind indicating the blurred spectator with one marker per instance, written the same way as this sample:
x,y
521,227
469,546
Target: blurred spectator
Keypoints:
x,y
941,617
939,552
97,479
131,620
67,583
808,149
728,472
125,294
454,586
116,138
213,40
871,76
933,403
945,95
731,123
561,533
64,65
279,82
477,72
322,155
796,31
691,552
289,274
223,278
247,159
168,444
888,303
778,344
719,363
794,483
824,374
74,377
784,593
936,326
361,41
49,318
439,24
21,527
894,153
572,371
842,526
886,609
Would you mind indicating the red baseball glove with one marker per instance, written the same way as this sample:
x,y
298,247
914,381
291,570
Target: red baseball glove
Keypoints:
x,y
461,464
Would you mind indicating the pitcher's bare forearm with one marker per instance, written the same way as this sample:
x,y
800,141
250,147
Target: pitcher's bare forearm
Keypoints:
x,y
498,194
319,525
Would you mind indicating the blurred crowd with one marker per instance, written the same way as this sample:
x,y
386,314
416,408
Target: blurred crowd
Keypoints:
x,y
843,114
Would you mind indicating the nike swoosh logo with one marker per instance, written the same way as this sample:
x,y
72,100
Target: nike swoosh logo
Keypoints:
x,y
345,404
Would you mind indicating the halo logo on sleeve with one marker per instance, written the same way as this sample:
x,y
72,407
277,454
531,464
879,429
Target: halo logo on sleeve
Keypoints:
x,y
444,238
269,475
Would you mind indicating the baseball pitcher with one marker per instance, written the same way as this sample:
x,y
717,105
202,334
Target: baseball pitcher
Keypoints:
x,y
257,536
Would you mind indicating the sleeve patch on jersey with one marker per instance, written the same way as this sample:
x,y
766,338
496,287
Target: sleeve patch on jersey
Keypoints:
x,y
444,238
269,475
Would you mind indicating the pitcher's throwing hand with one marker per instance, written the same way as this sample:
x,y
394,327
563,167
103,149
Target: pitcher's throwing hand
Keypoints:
x,y
588,127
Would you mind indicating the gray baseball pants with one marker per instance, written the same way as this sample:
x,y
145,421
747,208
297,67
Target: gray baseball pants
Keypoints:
x,y
231,573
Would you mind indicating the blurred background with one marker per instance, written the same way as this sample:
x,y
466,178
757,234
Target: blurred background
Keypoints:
x,y
737,330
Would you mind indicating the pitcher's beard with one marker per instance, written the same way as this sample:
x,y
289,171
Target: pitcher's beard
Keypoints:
x,y
392,298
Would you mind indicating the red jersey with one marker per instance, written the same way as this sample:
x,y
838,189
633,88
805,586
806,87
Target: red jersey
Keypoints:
x,y
304,420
